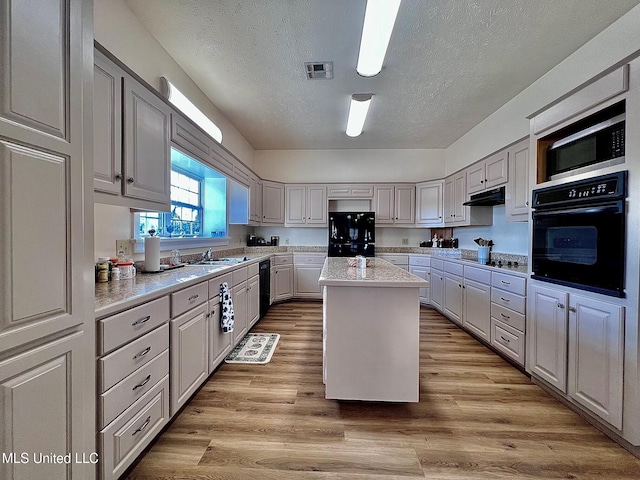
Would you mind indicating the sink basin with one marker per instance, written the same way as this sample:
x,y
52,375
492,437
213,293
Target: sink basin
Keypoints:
x,y
221,261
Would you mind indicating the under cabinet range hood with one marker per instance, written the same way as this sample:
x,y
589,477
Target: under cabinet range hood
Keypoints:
x,y
487,199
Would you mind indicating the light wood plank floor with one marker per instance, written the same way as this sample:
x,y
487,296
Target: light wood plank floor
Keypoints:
x,y
478,418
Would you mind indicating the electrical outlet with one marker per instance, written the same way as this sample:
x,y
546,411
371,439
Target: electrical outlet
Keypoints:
x,y
405,241
286,241
125,246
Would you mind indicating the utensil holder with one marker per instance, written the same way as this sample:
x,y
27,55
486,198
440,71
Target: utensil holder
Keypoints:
x,y
483,255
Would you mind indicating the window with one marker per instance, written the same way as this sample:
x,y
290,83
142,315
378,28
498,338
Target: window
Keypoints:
x,y
198,203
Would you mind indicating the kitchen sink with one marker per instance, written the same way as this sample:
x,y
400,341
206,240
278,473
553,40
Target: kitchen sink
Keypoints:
x,y
221,261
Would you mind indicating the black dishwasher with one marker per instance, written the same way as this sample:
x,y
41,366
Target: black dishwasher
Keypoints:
x,y
265,286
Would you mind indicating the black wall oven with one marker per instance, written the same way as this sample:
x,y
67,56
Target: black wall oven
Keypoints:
x,y
579,233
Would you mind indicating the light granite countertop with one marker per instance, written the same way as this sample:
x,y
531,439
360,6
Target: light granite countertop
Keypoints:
x,y
121,294
380,273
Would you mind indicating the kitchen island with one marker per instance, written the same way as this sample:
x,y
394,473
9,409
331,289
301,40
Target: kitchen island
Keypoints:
x,y
371,331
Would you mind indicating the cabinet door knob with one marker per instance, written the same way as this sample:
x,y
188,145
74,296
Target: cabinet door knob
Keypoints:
x,y
130,180
560,305
572,309
118,176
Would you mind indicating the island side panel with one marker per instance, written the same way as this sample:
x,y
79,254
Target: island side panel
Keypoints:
x,y
372,343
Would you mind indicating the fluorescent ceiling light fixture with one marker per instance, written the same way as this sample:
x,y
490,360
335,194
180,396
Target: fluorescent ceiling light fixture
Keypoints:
x,y
379,18
185,105
358,113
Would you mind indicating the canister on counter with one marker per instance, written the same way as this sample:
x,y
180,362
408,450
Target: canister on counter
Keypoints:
x,y
102,270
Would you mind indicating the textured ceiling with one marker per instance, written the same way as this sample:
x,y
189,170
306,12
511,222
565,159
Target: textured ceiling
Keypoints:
x,y
450,64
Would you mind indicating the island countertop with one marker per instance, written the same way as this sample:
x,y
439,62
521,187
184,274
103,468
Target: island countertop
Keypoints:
x,y
379,273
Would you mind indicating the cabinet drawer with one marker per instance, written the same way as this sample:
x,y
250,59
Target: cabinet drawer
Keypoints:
x,y
419,260
117,365
125,438
477,274
437,263
253,270
508,340
188,298
283,259
238,276
214,284
508,300
395,259
508,316
115,400
455,268
309,259
124,327
509,283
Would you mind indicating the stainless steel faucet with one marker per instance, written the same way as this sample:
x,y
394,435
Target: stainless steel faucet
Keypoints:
x,y
207,256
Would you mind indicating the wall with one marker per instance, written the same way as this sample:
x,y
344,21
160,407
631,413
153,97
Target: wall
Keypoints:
x,y
350,165
509,123
119,31
508,237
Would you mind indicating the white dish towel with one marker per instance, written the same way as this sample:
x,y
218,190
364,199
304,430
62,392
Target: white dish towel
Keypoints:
x,y
227,318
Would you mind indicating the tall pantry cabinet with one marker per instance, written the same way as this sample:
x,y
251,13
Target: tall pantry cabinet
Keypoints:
x,y
47,384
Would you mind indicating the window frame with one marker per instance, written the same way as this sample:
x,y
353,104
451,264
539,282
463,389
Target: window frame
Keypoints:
x,y
170,243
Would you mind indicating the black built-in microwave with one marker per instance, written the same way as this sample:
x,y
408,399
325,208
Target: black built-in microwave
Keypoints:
x,y
597,143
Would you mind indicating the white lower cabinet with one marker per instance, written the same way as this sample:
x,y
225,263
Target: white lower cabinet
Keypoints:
x,y
596,356
425,274
437,288
127,436
253,301
189,355
282,282
306,273
219,341
240,299
547,335
133,383
40,396
453,292
477,308
576,344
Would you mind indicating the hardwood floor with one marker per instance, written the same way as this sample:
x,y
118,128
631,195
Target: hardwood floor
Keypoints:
x,y
478,418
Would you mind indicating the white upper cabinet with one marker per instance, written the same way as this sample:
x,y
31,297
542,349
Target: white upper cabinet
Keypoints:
x,y
255,200
306,205
489,173
517,191
455,213
430,203
107,115
272,202
147,152
130,119
394,204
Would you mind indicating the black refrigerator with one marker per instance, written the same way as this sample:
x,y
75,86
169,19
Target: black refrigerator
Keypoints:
x,y
352,233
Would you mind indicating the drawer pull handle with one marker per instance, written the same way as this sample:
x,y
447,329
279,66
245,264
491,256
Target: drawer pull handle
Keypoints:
x,y
142,353
140,321
505,299
504,316
505,283
144,425
504,339
142,384
193,297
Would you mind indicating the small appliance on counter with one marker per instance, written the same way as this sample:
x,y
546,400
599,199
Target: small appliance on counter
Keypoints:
x,y
252,241
261,242
275,240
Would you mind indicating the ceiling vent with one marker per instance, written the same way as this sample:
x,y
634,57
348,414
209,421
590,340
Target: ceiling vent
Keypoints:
x,y
319,70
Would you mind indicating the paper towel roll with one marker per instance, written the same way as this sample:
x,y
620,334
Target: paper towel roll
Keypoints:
x,y
152,254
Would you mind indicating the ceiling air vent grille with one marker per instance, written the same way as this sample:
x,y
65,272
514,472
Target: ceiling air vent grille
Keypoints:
x,y
319,70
